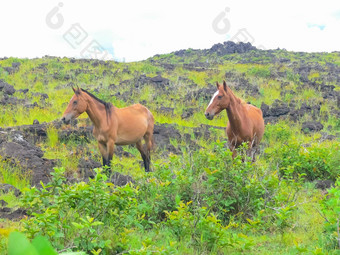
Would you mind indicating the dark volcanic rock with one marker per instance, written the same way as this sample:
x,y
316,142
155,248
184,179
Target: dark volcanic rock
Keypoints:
x,y
277,109
160,81
324,184
43,96
311,126
230,47
15,150
120,179
140,81
5,188
8,213
188,112
204,93
85,168
16,64
3,203
166,110
6,88
162,135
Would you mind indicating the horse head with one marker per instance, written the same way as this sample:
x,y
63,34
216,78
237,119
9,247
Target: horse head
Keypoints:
x,y
219,101
76,106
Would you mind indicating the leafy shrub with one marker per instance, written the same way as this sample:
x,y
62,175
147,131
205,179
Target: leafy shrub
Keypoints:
x,y
78,214
331,212
279,132
314,162
231,187
260,71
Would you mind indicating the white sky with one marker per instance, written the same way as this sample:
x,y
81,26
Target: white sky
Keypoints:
x,y
137,29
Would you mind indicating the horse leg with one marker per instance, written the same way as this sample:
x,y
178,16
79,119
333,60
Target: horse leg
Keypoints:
x,y
110,149
103,148
103,151
254,148
144,156
148,138
232,148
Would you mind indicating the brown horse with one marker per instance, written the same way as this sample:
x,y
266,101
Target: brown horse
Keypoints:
x,y
245,124
114,126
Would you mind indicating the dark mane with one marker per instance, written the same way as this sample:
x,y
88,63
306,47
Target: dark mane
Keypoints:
x,y
107,105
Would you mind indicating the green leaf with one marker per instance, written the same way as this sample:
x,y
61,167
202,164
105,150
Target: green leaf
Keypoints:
x,y
19,245
77,225
43,246
73,253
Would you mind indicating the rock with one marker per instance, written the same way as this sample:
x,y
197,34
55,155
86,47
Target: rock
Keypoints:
x,y
311,126
43,96
140,81
265,109
324,184
166,110
6,88
23,90
120,179
15,150
5,188
187,113
163,133
16,65
160,81
204,93
85,168
9,70
231,47
277,109
3,203
7,213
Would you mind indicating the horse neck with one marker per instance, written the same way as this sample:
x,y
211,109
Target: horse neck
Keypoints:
x,y
234,111
96,112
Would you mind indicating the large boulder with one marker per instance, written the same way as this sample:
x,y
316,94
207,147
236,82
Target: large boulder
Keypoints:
x,y
16,151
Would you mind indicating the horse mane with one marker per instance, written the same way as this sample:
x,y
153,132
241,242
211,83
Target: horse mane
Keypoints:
x,y
238,100
107,105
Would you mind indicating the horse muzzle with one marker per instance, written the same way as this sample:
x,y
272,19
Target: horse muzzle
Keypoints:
x,y
209,116
66,119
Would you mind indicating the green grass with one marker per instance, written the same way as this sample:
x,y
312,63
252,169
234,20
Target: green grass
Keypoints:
x,y
184,176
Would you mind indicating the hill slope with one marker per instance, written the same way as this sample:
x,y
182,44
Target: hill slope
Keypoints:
x,y
196,200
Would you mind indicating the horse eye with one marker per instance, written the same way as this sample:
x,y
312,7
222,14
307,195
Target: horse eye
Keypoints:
x,y
75,102
219,97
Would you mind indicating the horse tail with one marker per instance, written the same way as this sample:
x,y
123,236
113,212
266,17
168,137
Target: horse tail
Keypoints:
x,y
151,124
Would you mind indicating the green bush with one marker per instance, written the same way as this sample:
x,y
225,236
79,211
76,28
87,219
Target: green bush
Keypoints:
x,y
260,71
313,162
331,212
78,215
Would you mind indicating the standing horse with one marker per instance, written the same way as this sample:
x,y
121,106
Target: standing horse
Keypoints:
x,y
114,126
245,124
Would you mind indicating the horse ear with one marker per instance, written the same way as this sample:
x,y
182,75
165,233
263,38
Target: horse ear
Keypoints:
x,y
217,85
225,87
76,91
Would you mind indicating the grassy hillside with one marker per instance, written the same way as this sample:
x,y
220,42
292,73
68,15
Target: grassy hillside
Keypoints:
x,y
197,200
